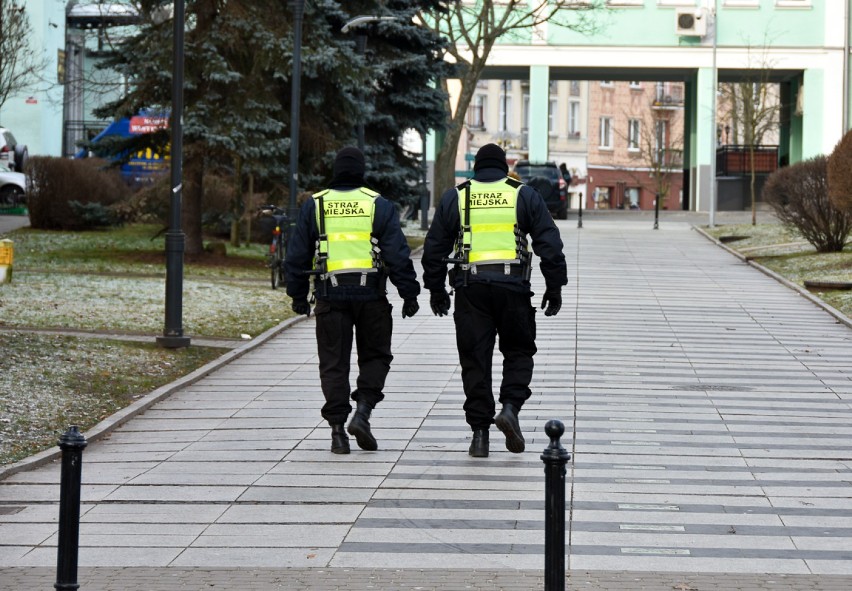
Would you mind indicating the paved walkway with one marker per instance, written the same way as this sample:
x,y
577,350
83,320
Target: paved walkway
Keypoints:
x,y
707,409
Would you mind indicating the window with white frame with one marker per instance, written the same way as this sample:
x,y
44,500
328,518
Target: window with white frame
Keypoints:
x,y
606,133
505,112
551,117
476,113
660,132
606,83
574,119
635,84
633,128
574,87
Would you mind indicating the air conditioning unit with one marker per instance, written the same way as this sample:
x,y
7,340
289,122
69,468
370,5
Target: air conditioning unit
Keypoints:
x,y
691,22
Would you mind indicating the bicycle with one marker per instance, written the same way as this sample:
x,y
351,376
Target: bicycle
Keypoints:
x,y
278,246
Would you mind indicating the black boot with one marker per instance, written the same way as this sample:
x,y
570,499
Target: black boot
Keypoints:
x,y
479,445
359,427
507,422
339,440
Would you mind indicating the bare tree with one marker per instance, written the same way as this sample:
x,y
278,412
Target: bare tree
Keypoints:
x,y
753,108
654,139
472,29
20,65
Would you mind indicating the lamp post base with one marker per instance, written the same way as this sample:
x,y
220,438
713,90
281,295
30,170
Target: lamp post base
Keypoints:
x,y
173,342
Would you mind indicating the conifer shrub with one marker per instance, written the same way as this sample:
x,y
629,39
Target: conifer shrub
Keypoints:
x,y
73,194
840,174
798,195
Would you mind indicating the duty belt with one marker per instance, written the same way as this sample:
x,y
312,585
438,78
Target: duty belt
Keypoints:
x,y
374,280
514,270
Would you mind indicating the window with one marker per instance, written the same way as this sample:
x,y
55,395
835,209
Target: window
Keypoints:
x,y
635,84
633,127
476,112
606,83
551,117
505,112
632,194
606,132
574,119
553,87
660,132
575,88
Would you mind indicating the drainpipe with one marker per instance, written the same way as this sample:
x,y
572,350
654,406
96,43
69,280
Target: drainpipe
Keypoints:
x,y
712,221
846,68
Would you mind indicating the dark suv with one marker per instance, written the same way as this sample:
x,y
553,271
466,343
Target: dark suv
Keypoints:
x,y
546,178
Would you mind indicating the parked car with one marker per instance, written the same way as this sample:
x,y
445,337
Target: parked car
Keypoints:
x,y
13,189
546,178
13,156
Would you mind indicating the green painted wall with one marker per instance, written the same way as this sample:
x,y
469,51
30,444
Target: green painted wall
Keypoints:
x,y
651,25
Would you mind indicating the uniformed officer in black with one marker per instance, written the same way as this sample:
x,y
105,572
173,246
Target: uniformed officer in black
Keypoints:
x,y
485,224
350,239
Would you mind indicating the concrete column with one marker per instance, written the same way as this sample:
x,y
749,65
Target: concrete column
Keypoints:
x,y
816,138
705,136
539,104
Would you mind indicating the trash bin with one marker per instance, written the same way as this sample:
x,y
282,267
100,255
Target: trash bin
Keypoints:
x,y
7,252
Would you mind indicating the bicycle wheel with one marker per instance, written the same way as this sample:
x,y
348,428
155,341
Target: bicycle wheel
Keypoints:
x,y
277,265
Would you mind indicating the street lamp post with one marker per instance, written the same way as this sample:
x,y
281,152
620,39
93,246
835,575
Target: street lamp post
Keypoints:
x,y
361,48
295,98
715,89
173,337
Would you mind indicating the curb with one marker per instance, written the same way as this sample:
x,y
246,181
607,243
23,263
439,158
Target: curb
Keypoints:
x,y
840,316
120,417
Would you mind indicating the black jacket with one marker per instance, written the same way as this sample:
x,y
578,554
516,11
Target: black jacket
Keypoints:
x,y
394,252
534,220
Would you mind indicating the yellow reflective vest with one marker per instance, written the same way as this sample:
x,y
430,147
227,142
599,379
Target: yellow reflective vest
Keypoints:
x,y
345,222
489,225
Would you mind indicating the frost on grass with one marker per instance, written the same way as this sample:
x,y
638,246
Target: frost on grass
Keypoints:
x,y
137,305
48,383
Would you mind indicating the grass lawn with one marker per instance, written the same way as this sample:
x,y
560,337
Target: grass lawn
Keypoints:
x,y
113,281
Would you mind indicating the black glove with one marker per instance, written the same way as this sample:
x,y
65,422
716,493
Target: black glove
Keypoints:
x,y
410,307
552,301
440,302
301,306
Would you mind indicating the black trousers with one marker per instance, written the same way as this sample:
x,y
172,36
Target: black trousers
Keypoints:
x,y
482,313
372,326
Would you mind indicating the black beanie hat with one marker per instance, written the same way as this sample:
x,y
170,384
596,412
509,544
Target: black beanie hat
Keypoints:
x,y
491,156
349,167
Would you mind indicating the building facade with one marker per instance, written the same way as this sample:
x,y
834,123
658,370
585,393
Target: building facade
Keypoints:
x,y
802,46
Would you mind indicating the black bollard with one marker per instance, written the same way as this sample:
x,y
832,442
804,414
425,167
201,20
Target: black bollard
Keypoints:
x,y
554,457
72,444
580,212
657,212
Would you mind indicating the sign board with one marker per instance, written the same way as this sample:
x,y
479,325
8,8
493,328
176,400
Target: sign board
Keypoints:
x,y
147,124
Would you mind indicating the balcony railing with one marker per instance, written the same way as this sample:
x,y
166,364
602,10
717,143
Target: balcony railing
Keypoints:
x,y
735,160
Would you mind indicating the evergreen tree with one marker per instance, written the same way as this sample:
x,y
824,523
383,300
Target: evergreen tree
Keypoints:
x,y
238,70
404,66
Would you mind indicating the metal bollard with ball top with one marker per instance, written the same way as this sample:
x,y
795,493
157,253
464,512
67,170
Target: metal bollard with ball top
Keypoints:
x,y
554,457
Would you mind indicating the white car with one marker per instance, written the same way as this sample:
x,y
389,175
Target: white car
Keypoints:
x,y
13,189
13,156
